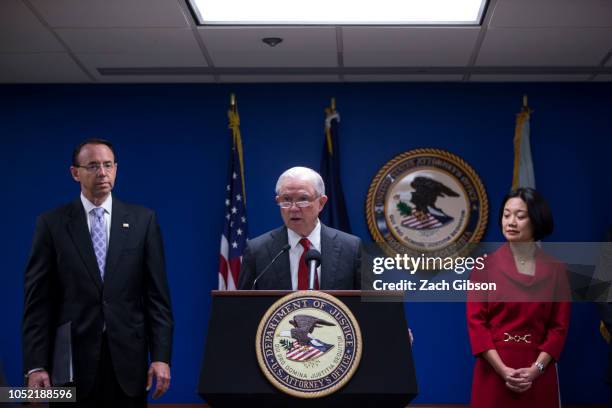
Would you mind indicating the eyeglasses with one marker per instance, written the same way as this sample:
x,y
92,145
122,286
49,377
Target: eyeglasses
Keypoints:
x,y
95,167
300,204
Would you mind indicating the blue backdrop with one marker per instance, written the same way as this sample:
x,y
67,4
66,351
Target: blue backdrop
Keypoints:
x,y
172,147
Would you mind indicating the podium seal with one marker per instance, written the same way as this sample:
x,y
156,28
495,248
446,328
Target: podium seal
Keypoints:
x,y
308,344
426,201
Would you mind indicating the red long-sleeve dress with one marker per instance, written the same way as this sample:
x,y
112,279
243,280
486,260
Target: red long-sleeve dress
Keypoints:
x,y
519,320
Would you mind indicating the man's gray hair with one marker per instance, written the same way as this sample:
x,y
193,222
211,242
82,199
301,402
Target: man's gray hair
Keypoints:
x,y
302,173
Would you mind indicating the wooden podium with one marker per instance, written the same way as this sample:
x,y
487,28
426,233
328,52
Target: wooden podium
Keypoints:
x,y
230,375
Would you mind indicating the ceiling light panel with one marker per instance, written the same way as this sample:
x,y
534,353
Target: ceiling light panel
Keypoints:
x,y
339,12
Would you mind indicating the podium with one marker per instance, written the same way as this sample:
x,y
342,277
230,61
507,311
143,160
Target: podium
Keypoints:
x,y
230,375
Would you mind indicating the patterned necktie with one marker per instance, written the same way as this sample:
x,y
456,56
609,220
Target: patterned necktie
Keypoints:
x,y
98,238
303,268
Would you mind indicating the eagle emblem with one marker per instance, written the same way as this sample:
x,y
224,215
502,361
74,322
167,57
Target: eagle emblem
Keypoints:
x,y
424,214
426,201
304,347
308,344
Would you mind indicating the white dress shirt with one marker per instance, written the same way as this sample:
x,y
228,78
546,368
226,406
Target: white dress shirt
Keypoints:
x,y
296,251
108,208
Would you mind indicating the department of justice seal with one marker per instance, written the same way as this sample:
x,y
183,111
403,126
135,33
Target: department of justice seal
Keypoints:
x,y
308,344
426,201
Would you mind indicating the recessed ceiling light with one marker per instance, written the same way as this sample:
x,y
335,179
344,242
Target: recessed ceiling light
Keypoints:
x,y
272,41
338,12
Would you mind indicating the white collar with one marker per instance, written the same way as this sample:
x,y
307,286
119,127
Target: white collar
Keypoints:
x,y
314,237
88,205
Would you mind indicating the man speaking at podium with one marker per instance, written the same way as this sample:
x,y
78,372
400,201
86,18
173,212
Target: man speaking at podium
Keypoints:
x,y
275,260
97,267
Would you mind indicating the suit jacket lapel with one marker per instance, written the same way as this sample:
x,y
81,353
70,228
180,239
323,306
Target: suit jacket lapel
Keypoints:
x,y
118,235
77,228
330,254
282,269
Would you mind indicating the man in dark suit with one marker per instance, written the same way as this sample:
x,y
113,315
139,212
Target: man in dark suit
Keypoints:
x,y
300,194
99,263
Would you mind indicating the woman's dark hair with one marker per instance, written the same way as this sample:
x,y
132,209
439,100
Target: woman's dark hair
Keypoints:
x,y
77,149
537,208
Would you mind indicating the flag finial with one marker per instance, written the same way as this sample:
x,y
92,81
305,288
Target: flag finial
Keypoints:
x,y
525,105
233,102
333,104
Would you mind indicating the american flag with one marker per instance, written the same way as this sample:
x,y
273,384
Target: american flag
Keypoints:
x,y
234,237
307,352
426,222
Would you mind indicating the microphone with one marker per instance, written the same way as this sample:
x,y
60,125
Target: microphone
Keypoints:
x,y
282,251
313,260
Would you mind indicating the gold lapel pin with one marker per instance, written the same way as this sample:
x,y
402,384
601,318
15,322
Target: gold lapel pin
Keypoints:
x,y
126,225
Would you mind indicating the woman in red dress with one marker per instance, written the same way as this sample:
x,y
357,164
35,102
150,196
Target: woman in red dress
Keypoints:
x,y
517,332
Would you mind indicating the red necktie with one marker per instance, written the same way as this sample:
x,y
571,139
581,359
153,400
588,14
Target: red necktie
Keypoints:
x,y
303,268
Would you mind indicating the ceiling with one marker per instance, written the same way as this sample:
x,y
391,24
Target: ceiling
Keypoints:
x,y
118,41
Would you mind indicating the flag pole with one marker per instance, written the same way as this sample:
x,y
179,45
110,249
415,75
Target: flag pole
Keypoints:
x,y
233,102
328,113
526,105
234,124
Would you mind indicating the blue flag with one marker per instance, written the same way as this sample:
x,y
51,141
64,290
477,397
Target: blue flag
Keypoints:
x,y
334,214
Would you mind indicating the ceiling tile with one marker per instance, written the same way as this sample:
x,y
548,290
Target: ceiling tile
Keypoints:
x,y
242,47
603,78
524,36
125,40
40,67
408,46
21,31
544,47
552,13
136,60
111,13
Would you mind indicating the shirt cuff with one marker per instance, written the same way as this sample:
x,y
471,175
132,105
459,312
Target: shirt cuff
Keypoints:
x,y
34,370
